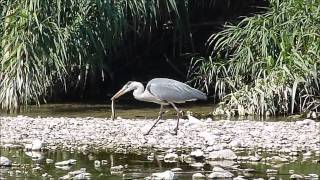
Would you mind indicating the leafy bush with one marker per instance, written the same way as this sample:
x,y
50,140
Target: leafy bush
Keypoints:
x,y
267,64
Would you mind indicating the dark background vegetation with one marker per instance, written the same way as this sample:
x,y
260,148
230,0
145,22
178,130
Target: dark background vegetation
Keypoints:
x,y
166,52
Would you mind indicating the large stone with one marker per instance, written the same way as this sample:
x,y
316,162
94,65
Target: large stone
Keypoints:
x,y
197,153
36,145
222,154
4,161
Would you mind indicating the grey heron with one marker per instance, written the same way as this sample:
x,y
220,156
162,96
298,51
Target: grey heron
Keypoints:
x,y
162,91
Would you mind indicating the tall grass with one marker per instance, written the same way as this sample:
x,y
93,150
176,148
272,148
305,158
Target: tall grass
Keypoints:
x,y
267,64
45,42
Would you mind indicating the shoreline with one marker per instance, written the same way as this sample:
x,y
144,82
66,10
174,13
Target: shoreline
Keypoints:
x,y
127,135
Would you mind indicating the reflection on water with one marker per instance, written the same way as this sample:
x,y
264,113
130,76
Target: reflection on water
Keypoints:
x,y
106,165
132,110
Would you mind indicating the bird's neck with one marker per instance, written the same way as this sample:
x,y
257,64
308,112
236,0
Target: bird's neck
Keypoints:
x,y
137,93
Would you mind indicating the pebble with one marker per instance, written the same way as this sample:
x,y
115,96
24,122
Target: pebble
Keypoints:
x,y
212,136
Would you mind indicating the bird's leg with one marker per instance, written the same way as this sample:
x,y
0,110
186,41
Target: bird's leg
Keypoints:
x,y
159,117
178,115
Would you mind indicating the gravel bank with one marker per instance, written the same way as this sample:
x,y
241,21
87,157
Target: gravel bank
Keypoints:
x,y
208,135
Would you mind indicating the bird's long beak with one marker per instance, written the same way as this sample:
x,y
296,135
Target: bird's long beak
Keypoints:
x,y
118,94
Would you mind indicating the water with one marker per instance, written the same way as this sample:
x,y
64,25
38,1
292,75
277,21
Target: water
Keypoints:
x,y
137,166
123,109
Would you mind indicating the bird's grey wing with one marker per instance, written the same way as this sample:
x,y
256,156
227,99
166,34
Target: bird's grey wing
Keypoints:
x,y
173,91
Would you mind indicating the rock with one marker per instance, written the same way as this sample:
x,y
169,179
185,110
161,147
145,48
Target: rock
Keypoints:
x,y
218,172
35,155
222,163
239,178
97,163
36,145
66,163
291,171
167,175
254,158
309,153
76,172
197,153
296,176
198,176
171,157
65,168
49,161
197,165
11,146
116,169
193,120
4,161
176,169
313,176
271,171
82,176
104,162
222,154
279,159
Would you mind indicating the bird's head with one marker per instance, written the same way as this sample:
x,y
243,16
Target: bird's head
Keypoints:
x,y
129,86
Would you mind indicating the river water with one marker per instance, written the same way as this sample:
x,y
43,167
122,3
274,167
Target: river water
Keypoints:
x,y
139,165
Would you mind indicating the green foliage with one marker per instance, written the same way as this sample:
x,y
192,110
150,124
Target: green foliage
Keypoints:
x,y
267,64
45,42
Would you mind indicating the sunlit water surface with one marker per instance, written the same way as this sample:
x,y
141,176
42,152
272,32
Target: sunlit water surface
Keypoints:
x,y
136,166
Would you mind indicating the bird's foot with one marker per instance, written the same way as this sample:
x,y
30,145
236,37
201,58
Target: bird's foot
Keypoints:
x,y
147,133
175,131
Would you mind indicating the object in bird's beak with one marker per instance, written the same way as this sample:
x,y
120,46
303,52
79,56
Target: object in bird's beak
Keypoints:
x,y
118,94
112,110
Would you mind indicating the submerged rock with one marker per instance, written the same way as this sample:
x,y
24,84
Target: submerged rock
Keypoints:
x,y
167,175
4,161
218,172
66,163
296,176
116,169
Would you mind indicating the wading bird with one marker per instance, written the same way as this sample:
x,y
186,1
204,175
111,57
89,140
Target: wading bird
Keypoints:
x,y
162,91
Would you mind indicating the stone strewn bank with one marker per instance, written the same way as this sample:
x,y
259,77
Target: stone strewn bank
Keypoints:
x,y
207,135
